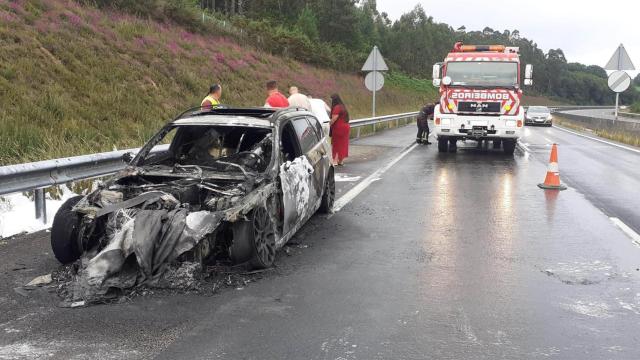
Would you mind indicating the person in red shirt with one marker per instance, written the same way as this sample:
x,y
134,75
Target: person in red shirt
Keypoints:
x,y
340,130
275,99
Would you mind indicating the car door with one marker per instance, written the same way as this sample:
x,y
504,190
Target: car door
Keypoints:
x,y
298,178
322,153
314,152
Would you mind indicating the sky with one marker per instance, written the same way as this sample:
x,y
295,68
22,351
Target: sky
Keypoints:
x,y
587,31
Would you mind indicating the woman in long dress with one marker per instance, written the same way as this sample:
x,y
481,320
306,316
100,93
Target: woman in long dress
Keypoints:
x,y
340,130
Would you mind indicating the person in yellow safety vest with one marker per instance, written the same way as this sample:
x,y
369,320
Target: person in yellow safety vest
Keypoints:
x,y
212,100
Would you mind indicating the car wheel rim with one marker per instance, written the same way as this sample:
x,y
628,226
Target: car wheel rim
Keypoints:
x,y
264,237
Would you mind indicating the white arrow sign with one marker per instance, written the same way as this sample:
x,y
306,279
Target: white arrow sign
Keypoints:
x,y
620,60
618,81
375,62
374,79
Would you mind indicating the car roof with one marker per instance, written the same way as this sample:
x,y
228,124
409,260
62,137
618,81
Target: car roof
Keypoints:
x,y
224,120
225,116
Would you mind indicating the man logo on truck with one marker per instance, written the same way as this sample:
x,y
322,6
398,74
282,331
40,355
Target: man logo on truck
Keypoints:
x,y
480,96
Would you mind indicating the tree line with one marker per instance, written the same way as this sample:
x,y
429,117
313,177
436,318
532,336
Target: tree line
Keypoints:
x,y
414,42
340,33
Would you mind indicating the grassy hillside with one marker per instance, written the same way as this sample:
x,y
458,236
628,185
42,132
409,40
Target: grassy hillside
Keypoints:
x,y
75,79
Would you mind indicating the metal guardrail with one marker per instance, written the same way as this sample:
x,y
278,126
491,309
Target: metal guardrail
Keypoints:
x,y
38,176
359,123
572,107
629,115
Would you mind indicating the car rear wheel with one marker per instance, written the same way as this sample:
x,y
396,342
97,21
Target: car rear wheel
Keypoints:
x,y
329,195
254,241
64,232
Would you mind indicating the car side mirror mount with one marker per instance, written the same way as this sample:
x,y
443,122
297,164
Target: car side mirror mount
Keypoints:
x,y
128,157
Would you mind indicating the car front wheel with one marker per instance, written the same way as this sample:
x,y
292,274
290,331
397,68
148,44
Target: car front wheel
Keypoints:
x,y
254,241
64,232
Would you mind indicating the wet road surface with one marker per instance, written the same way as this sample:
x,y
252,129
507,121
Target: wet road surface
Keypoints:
x,y
609,176
446,256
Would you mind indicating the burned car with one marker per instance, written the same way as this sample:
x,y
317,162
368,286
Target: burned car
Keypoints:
x,y
220,184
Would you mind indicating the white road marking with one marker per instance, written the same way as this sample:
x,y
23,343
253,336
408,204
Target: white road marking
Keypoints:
x,y
596,139
361,186
346,178
635,237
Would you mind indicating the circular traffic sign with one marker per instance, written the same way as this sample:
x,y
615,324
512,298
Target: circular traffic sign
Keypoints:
x,y
374,79
619,81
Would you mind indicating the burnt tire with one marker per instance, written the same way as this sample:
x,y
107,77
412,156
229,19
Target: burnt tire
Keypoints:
x,y
64,232
329,194
254,241
509,147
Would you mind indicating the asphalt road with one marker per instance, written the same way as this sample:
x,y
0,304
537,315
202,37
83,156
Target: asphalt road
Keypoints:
x,y
444,256
606,174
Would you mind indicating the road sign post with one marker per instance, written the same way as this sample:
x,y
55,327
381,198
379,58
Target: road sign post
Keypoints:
x,y
374,79
374,89
619,80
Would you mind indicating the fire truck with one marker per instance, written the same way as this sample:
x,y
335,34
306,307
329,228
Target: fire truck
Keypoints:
x,y
480,96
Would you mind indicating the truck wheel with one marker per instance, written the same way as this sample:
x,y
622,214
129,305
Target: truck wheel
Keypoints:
x,y
443,145
64,232
497,144
453,147
509,146
329,194
254,240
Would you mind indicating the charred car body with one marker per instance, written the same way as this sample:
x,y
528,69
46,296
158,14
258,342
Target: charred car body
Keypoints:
x,y
230,184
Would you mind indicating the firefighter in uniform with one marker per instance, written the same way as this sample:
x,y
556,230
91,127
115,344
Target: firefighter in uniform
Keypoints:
x,y
212,100
423,123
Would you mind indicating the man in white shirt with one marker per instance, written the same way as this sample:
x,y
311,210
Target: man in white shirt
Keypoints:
x,y
298,100
321,110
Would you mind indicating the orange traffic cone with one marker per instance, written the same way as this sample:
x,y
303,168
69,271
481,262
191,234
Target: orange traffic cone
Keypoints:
x,y
552,181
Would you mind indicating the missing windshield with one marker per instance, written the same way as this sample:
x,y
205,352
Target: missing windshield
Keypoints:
x,y
483,74
197,149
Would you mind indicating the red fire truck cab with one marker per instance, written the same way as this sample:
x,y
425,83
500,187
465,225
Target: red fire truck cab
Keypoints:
x,y
480,96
